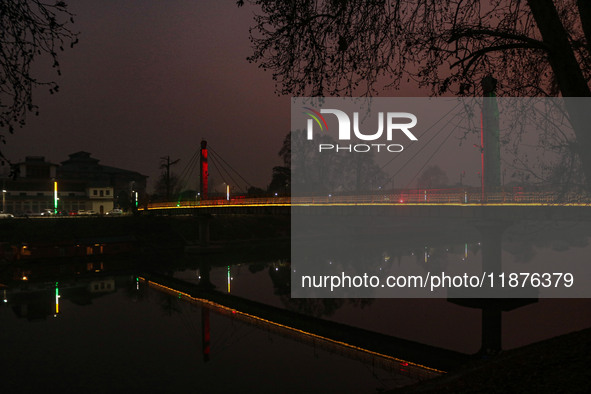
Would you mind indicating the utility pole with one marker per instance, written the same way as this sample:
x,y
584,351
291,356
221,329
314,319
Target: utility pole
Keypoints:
x,y
166,165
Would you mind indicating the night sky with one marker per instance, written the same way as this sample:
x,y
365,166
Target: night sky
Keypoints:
x,y
150,79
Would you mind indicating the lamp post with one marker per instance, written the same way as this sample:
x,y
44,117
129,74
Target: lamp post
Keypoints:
x,y
3,200
55,197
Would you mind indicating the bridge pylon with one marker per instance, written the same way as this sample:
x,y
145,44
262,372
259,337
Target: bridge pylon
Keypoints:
x,y
491,145
203,171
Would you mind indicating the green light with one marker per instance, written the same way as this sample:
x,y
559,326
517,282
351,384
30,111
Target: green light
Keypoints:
x,y
55,197
57,298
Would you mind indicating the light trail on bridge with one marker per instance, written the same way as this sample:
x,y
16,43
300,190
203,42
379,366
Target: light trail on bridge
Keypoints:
x,y
423,198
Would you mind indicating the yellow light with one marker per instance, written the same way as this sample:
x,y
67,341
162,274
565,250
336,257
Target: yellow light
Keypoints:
x,y
547,201
24,277
244,314
55,197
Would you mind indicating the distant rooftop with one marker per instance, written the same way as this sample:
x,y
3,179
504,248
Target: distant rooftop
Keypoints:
x,y
82,161
36,160
80,156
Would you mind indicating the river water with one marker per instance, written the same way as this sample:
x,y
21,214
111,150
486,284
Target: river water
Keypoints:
x,y
96,328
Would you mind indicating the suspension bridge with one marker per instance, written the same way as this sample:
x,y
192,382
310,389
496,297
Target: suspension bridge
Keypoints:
x,y
491,196
463,202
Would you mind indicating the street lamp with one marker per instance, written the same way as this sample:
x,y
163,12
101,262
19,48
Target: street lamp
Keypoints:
x,y
55,197
3,200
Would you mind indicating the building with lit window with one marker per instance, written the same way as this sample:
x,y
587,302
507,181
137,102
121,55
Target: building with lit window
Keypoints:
x,y
84,170
32,190
82,184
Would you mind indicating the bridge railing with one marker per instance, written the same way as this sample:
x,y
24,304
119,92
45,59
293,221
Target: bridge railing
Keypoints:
x,y
222,202
415,197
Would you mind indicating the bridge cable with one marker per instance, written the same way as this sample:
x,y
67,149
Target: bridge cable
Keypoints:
x,y
420,150
186,175
237,173
430,157
215,159
397,156
213,162
424,132
221,169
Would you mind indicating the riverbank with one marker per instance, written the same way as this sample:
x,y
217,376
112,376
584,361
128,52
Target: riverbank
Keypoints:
x,y
556,365
145,228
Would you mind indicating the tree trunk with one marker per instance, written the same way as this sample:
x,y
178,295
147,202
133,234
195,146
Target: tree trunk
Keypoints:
x,y
561,56
584,7
568,74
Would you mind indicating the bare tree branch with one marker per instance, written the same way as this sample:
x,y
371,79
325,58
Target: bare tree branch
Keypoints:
x,y
31,30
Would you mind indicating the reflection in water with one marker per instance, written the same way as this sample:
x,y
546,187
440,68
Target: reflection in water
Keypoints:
x,y
75,291
57,299
122,340
205,333
392,364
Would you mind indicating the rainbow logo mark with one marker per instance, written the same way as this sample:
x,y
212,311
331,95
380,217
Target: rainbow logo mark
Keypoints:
x,y
316,115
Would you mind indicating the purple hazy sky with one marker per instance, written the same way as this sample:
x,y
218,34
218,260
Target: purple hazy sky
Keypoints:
x,y
152,78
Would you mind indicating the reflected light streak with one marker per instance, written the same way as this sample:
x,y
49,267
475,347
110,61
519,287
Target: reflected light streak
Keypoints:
x,y
340,343
57,299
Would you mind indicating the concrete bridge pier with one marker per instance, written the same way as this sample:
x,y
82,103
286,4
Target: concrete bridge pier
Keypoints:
x,y
491,245
204,276
203,221
492,324
492,308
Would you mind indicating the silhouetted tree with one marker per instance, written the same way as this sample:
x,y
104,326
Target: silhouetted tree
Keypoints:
x,y
313,172
432,177
29,30
281,181
167,186
285,151
281,178
124,200
335,47
254,191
